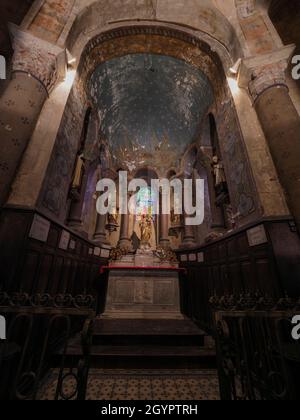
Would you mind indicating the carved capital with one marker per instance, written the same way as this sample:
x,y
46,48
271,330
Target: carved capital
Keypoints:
x,y
266,77
42,60
257,74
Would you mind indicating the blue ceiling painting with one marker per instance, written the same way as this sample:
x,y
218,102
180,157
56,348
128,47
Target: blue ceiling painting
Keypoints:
x,y
150,107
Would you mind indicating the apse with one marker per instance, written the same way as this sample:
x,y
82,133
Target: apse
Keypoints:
x,y
149,104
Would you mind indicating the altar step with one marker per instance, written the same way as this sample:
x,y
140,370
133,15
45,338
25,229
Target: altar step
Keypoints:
x,y
147,333
147,344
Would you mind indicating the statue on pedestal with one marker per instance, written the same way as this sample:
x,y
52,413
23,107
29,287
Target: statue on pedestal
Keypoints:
x,y
146,229
218,171
221,187
145,232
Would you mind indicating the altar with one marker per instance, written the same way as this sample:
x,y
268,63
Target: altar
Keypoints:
x,y
143,283
143,293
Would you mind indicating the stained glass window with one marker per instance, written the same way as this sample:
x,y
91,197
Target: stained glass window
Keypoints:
x,y
145,202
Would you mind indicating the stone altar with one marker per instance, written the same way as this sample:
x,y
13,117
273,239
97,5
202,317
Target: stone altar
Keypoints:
x,y
141,287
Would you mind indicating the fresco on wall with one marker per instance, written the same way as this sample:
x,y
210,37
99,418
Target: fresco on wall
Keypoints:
x,y
59,173
242,188
149,108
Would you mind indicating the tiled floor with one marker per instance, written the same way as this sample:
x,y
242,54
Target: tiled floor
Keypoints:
x,y
112,385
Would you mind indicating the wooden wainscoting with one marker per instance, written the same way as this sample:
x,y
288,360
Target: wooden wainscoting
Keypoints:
x,y
35,266
231,265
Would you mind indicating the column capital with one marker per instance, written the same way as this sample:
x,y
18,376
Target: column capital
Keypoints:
x,y
257,74
42,60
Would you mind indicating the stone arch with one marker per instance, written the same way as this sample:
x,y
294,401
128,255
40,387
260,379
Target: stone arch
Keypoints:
x,y
203,17
181,45
152,40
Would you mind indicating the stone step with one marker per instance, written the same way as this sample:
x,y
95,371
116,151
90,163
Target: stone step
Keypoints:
x,y
150,357
146,327
146,340
142,344
147,332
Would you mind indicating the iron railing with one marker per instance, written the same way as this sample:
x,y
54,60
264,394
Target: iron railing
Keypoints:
x,y
39,330
258,359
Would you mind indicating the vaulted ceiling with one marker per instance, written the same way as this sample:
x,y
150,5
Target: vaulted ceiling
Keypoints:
x,y
152,103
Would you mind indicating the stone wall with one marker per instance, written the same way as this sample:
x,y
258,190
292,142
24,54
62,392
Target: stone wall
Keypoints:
x,y
55,190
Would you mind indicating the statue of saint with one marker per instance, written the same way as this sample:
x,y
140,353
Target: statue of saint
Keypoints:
x,y
218,171
146,229
77,179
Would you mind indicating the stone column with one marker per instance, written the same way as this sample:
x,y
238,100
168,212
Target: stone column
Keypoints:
x,y
164,240
188,240
281,124
35,70
124,232
100,231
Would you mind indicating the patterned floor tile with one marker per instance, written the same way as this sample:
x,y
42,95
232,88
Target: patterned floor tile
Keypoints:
x,y
114,385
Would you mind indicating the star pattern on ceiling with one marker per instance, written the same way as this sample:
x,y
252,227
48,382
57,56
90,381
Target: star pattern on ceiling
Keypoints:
x,y
146,101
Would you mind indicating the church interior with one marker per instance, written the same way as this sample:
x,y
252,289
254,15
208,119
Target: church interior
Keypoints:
x,y
145,306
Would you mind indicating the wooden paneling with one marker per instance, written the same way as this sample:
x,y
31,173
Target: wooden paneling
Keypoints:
x,y
231,266
32,266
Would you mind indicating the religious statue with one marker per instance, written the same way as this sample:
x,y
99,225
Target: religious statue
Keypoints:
x,y
79,169
218,171
146,229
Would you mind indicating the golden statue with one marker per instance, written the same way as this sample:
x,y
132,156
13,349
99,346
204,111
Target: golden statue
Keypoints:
x,y
77,179
146,229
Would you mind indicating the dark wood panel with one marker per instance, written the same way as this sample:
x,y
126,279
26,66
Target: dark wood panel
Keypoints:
x,y
231,265
36,267
42,284
29,272
53,288
263,277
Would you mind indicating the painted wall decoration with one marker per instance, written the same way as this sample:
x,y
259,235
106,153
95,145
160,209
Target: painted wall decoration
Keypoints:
x,y
242,187
150,108
57,182
51,19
